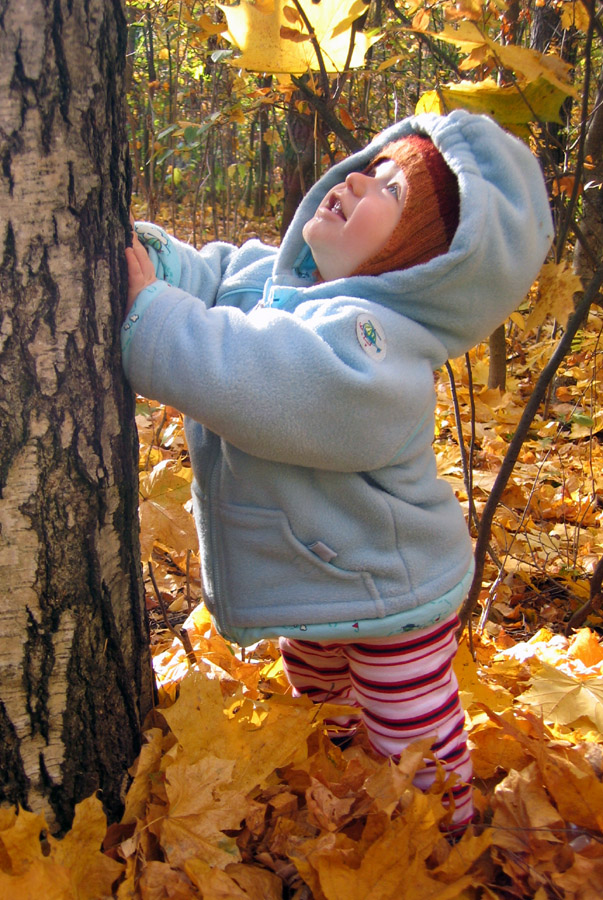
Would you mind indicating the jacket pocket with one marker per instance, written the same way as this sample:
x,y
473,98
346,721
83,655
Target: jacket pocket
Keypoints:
x,y
270,577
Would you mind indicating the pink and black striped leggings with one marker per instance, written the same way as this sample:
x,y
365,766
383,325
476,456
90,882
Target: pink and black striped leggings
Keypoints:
x,y
405,688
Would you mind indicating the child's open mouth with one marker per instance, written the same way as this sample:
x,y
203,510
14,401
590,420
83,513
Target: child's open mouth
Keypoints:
x,y
335,207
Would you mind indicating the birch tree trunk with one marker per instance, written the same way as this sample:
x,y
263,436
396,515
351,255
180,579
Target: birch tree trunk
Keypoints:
x,y
75,678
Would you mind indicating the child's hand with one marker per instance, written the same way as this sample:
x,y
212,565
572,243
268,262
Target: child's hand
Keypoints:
x,y
141,272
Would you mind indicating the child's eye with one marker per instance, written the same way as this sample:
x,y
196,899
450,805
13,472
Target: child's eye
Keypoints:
x,y
394,189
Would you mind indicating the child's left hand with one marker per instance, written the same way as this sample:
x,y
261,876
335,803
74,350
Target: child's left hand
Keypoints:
x,y
141,272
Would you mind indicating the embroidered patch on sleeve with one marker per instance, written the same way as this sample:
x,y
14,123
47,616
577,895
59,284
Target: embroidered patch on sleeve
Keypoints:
x,y
371,336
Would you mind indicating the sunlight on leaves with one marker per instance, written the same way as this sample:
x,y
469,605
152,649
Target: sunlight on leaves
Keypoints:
x,y
269,43
537,100
558,284
564,699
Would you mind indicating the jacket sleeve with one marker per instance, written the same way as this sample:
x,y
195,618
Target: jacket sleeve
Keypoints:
x,y
212,274
199,272
296,387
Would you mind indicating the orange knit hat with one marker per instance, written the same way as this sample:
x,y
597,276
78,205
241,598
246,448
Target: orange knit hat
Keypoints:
x,y
431,209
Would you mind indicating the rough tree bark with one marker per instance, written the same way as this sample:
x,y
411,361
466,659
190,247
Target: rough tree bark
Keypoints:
x,y
75,677
591,222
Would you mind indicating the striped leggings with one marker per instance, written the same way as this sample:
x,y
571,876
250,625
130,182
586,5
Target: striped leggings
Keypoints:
x,y
405,688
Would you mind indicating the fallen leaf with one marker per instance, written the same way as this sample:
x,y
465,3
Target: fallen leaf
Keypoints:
x,y
91,872
163,492
523,813
564,699
201,807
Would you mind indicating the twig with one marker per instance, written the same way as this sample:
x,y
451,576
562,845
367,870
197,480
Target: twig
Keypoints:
x,y
324,78
467,460
189,599
181,635
594,601
328,116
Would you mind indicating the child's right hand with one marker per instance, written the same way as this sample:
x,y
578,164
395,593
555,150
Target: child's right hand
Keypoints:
x,y
141,272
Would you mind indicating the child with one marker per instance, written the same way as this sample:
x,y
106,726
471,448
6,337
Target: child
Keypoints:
x,y
306,376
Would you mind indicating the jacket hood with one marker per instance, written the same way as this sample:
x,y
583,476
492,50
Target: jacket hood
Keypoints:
x,y
504,233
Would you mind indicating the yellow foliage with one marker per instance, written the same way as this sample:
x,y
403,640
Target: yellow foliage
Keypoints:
x,y
529,65
71,869
195,821
223,776
574,14
558,284
163,492
509,106
563,698
269,43
542,79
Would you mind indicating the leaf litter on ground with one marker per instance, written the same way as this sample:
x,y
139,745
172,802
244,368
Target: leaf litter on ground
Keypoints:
x,y
238,792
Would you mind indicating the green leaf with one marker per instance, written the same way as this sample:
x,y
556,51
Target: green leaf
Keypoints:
x,y
191,134
167,131
219,55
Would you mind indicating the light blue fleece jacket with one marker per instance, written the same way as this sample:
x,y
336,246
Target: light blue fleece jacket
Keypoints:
x,y
310,406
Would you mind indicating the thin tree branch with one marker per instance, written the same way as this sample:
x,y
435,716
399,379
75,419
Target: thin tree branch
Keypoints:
x,y
328,116
324,78
181,635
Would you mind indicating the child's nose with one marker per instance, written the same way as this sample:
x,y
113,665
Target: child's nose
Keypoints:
x,y
357,182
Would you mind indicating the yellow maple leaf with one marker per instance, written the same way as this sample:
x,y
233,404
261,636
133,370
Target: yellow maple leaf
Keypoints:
x,y
201,807
563,699
91,872
523,813
256,882
44,879
20,839
573,784
473,686
586,647
584,878
507,105
215,884
574,13
260,738
557,284
73,868
493,751
163,492
391,866
159,880
531,65
391,781
257,30
143,770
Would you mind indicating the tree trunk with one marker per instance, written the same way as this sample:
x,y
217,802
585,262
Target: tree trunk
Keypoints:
x,y
497,373
75,678
298,166
591,222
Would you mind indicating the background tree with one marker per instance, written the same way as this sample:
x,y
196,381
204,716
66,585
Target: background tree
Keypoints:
x,y
75,679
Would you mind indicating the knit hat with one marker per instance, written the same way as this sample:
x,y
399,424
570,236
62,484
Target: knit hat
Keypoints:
x,y
431,210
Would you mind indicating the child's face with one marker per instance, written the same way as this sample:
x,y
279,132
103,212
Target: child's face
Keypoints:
x,y
356,219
